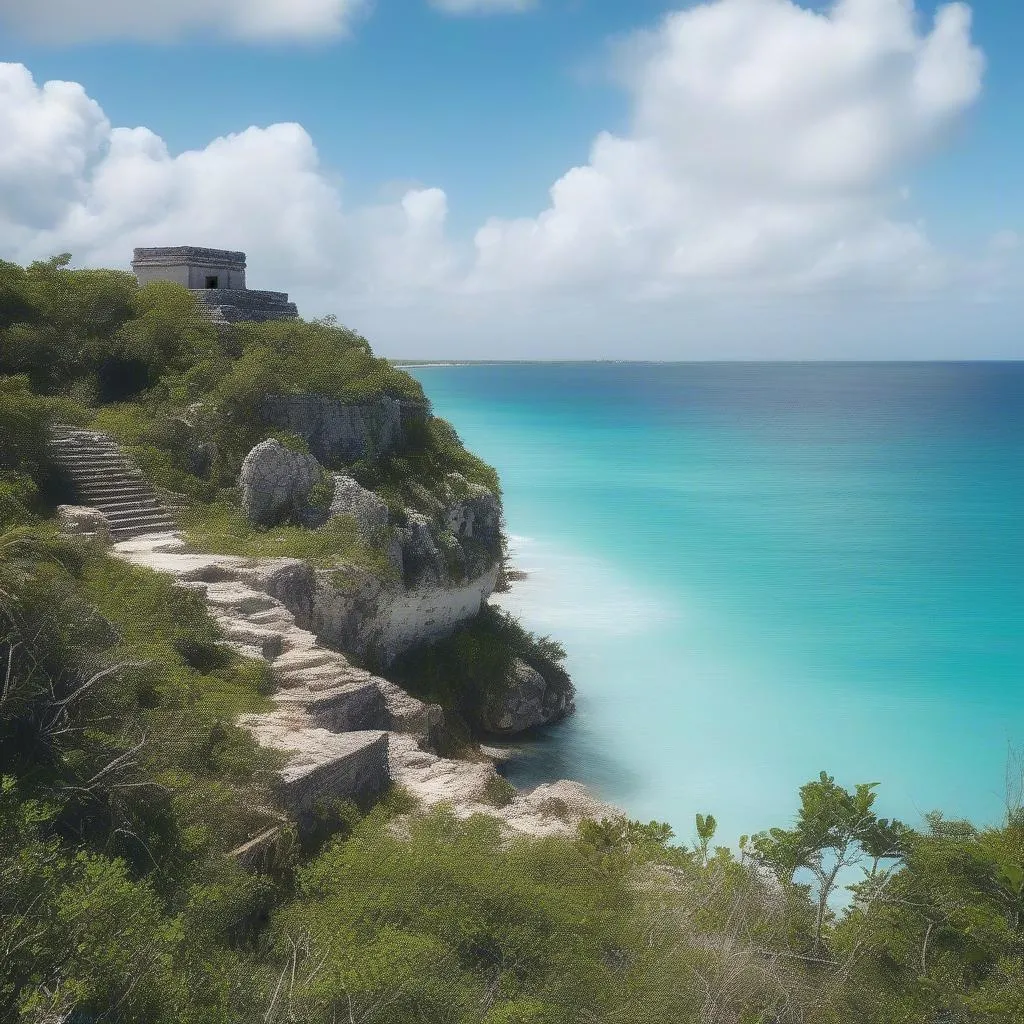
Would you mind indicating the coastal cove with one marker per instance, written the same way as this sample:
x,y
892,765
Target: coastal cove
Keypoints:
x,y
762,571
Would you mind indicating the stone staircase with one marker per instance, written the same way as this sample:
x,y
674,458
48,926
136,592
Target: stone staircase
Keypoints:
x,y
105,480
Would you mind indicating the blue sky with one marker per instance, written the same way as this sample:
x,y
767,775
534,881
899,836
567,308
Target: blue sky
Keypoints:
x,y
493,110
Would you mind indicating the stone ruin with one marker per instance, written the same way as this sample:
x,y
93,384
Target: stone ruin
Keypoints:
x,y
217,278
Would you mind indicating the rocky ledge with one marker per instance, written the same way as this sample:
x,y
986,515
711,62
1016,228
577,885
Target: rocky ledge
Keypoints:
x,y
343,732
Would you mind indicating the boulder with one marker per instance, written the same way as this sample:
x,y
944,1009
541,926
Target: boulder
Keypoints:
x,y
369,510
276,481
82,521
526,701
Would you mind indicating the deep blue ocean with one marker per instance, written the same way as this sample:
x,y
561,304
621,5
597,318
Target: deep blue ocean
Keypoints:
x,y
762,571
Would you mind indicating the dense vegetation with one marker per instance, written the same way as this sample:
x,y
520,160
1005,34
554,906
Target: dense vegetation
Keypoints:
x,y
126,789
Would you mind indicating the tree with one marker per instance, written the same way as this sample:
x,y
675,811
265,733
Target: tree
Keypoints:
x,y
835,830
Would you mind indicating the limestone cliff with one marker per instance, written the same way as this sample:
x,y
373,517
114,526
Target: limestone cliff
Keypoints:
x,y
338,431
443,566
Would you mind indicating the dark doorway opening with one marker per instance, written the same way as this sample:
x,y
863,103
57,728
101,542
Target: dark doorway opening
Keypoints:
x,y
211,282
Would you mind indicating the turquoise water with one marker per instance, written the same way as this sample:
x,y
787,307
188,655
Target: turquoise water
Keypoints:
x,y
765,570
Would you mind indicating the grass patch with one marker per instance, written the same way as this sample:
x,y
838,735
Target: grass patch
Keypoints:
x,y
224,529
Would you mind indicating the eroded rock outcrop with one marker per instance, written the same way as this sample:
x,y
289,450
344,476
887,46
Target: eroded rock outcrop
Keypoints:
x,y
358,611
444,565
339,432
276,482
369,510
526,701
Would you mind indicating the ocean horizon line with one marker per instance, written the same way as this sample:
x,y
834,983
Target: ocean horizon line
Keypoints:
x,y
426,363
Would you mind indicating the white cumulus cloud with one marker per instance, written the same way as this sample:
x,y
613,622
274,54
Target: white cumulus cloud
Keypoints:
x,y
75,21
69,181
767,156
767,144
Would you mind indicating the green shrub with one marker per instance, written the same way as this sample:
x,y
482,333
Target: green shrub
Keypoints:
x,y
291,441
321,494
499,792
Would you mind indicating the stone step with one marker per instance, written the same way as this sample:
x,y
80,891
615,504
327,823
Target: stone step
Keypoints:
x,y
320,678
125,515
115,489
324,765
279,616
240,598
79,453
145,503
86,469
250,651
302,660
146,512
268,642
104,483
78,456
105,475
345,708
149,521
129,504
138,529
142,531
65,432
76,453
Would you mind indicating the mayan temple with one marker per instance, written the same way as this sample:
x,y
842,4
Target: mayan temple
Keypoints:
x,y
217,277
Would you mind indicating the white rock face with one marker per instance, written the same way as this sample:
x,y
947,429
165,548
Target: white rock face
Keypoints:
x,y
276,482
368,616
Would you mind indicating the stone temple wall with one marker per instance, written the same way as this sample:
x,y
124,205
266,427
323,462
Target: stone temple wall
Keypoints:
x,y
226,305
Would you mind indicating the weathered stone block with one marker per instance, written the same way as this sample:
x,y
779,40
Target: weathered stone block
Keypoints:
x,y
326,766
82,521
